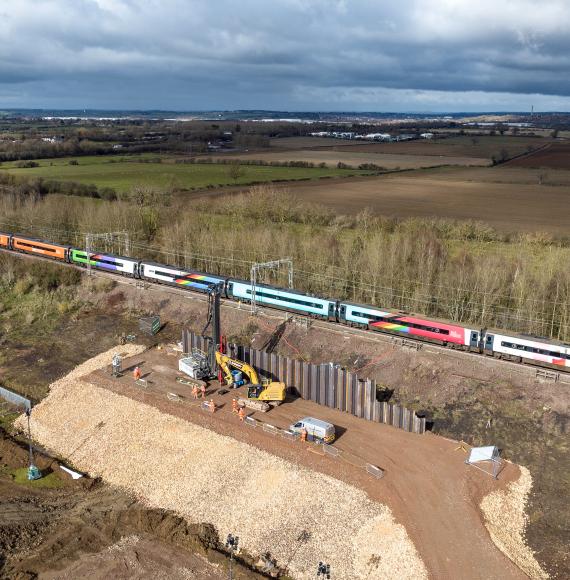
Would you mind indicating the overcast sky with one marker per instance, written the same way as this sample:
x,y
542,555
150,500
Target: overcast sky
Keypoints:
x,y
304,55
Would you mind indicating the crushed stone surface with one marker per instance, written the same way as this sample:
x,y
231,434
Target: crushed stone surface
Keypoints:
x,y
207,477
506,520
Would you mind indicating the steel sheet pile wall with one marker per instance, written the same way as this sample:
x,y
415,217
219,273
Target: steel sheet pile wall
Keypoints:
x,y
324,384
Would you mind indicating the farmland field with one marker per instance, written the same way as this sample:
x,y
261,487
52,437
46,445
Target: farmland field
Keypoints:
x,y
460,146
121,173
505,173
556,156
507,207
355,155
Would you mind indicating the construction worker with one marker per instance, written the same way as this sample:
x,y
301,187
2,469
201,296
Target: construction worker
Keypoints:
x,y
195,392
137,373
203,391
241,414
212,406
235,406
303,434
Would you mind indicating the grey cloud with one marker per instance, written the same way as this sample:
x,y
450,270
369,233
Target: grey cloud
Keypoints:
x,y
259,54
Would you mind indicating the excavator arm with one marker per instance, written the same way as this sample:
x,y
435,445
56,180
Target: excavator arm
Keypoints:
x,y
226,363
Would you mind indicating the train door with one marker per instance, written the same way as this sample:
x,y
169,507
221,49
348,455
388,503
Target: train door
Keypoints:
x,y
332,311
474,341
489,343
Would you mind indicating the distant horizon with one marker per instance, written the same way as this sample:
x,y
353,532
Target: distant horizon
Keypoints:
x,y
440,113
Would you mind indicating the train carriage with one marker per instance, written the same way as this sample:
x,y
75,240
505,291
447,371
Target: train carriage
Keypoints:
x,y
189,279
432,330
283,299
109,262
519,348
5,240
40,247
499,344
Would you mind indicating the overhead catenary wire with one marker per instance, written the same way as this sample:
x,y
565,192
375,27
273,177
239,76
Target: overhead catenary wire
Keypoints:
x,y
470,310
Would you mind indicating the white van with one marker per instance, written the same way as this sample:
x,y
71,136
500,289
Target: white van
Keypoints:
x,y
315,428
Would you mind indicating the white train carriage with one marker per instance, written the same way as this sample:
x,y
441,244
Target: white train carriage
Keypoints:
x,y
527,348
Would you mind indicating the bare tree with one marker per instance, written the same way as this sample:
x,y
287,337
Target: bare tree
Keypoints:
x,y
235,170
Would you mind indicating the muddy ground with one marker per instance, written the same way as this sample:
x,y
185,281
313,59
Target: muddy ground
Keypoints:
x,y
459,393
84,528
556,156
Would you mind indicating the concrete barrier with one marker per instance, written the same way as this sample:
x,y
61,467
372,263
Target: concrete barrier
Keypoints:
x,y
374,471
271,429
330,450
289,435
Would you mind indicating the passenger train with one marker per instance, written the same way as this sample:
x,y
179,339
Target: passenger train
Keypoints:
x,y
496,343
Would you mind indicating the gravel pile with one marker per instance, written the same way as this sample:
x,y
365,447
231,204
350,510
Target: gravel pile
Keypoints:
x,y
506,520
206,477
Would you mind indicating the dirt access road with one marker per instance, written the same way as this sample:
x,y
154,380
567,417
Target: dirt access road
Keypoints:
x,y
427,485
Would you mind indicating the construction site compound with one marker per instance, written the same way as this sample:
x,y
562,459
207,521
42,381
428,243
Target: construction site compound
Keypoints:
x,y
378,502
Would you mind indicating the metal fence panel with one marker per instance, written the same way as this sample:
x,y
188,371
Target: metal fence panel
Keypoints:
x,y
14,398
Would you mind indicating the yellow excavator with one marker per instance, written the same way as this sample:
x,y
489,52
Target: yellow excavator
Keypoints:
x,y
261,395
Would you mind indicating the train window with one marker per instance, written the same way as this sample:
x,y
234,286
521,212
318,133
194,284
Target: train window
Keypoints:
x,y
427,328
269,294
366,315
163,273
532,349
111,262
44,248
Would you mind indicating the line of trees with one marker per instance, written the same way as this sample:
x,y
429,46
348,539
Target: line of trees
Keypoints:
x,y
462,271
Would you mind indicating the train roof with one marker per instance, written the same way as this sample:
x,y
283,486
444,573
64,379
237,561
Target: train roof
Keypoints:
x,y
151,263
32,239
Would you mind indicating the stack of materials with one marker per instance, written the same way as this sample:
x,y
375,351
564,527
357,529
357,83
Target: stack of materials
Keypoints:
x,y
150,325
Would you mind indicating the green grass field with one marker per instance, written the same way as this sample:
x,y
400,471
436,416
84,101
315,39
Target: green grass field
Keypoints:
x,y
121,173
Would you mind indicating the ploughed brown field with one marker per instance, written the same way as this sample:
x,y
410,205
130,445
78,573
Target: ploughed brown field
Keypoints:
x,y
555,156
472,146
357,155
505,173
505,206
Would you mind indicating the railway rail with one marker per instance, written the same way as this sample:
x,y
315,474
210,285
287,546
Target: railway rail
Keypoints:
x,y
364,320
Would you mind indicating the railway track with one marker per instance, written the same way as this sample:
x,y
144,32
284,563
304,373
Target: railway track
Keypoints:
x,y
521,368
